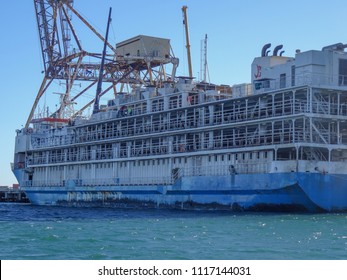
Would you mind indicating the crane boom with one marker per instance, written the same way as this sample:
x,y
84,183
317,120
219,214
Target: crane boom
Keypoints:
x,y
99,87
185,22
46,15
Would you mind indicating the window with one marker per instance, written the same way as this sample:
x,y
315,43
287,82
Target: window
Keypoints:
x,y
258,85
293,75
282,80
261,84
343,72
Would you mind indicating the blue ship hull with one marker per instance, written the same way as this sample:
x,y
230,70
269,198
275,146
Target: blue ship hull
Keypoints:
x,y
313,192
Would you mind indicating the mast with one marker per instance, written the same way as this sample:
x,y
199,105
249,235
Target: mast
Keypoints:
x,y
101,72
185,22
205,59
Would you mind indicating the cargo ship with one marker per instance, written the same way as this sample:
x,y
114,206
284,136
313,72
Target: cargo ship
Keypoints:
x,y
278,143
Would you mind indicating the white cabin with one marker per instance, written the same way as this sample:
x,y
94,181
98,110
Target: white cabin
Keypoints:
x,y
327,67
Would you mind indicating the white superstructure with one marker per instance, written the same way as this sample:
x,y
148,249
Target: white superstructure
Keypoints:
x,y
290,119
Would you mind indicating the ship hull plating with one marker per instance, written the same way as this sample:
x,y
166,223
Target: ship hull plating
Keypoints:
x,y
238,192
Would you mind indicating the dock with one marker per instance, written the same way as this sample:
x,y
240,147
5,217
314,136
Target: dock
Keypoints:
x,y
13,195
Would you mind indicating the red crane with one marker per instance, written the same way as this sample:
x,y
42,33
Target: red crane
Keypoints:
x,y
66,61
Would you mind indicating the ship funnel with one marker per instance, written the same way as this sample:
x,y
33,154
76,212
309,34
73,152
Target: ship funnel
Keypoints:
x,y
335,47
263,50
275,53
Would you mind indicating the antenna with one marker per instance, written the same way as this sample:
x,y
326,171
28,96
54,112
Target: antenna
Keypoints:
x,y
205,57
203,61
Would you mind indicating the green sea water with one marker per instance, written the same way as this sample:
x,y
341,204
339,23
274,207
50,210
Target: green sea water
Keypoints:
x,y
45,233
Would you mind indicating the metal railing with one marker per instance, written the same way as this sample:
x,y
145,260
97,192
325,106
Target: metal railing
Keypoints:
x,y
206,170
129,181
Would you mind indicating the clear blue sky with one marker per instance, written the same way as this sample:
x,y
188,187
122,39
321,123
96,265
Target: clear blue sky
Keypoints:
x,y
237,30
